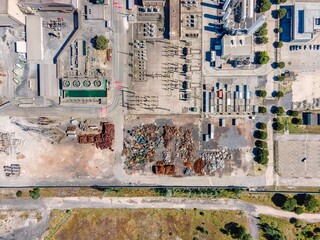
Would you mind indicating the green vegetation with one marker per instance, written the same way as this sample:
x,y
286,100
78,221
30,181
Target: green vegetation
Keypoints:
x,y
279,94
265,5
262,93
263,57
281,1
279,111
263,40
281,65
310,203
281,78
263,31
34,193
278,30
260,135
282,12
19,193
287,229
279,44
290,204
236,231
261,156
139,223
277,126
101,42
261,144
261,125
262,109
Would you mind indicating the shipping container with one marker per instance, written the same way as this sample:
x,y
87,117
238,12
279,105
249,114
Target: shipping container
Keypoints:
x,y
220,94
130,4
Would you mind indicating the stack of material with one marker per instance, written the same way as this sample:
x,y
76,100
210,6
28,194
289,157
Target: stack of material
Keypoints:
x,y
104,140
162,169
198,166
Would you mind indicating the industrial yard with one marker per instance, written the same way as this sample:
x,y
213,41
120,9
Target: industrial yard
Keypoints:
x,y
179,147
64,150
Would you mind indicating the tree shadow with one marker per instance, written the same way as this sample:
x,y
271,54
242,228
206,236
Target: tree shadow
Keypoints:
x,y
278,199
300,198
274,94
274,14
274,65
273,109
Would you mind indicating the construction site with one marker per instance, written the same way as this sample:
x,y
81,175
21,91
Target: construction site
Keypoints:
x,y
64,149
179,147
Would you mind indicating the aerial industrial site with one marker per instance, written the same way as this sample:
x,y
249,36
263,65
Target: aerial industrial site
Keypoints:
x,y
158,94
161,93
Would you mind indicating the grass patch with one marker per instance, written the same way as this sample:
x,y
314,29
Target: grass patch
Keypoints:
x,y
146,224
297,129
290,229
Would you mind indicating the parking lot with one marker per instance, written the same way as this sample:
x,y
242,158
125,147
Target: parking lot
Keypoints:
x,y
297,156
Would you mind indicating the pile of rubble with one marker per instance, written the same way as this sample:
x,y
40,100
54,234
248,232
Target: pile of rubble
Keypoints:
x,y
162,169
8,142
186,147
210,162
140,147
103,140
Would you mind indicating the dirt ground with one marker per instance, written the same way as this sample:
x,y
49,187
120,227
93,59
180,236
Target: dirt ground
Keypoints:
x,y
40,157
147,224
306,90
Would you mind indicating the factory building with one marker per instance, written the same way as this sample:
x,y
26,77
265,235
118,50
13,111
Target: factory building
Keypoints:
x,y
34,38
174,16
237,47
10,14
51,5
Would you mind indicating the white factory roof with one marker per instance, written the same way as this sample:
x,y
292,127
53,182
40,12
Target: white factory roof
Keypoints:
x,y
306,20
21,47
49,84
237,46
10,13
34,38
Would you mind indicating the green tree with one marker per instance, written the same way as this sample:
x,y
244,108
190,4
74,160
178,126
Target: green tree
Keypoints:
x,y
19,193
101,42
310,203
261,144
261,135
281,1
279,94
262,125
262,32
264,57
279,111
34,193
281,13
265,5
262,93
262,109
263,40
290,204
281,65
270,232
298,210
277,126
279,44
294,113
281,78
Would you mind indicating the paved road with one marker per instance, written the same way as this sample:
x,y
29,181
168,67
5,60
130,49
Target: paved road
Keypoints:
x,y
152,202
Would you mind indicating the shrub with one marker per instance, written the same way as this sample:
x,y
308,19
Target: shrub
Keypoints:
x,y
281,78
101,43
263,40
294,113
35,193
19,193
297,121
281,65
281,1
262,109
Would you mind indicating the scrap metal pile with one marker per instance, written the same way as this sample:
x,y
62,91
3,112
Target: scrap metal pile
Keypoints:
x,y
210,162
148,143
142,145
103,140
